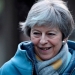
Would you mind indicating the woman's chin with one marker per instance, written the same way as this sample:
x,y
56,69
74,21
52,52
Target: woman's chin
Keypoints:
x,y
45,57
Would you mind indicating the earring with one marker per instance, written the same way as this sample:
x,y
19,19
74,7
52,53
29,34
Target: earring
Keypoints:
x,y
63,42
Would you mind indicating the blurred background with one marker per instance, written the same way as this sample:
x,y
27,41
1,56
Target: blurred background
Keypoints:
x,y
11,13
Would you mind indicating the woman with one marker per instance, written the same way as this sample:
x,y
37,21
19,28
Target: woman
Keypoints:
x,y
49,24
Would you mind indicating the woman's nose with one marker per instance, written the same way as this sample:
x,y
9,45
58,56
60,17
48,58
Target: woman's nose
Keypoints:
x,y
43,39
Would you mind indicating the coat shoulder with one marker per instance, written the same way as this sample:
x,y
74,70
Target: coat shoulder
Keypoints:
x,y
7,68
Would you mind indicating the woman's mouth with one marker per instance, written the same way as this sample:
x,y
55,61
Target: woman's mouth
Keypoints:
x,y
45,48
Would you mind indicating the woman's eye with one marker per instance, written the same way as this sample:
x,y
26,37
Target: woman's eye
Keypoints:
x,y
51,33
36,33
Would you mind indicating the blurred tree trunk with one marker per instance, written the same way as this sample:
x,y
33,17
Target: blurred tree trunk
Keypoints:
x,y
9,37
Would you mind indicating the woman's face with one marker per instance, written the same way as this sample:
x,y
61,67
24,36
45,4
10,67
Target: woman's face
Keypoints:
x,y
47,41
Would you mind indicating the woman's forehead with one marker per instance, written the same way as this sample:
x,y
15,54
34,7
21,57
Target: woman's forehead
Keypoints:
x,y
45,27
